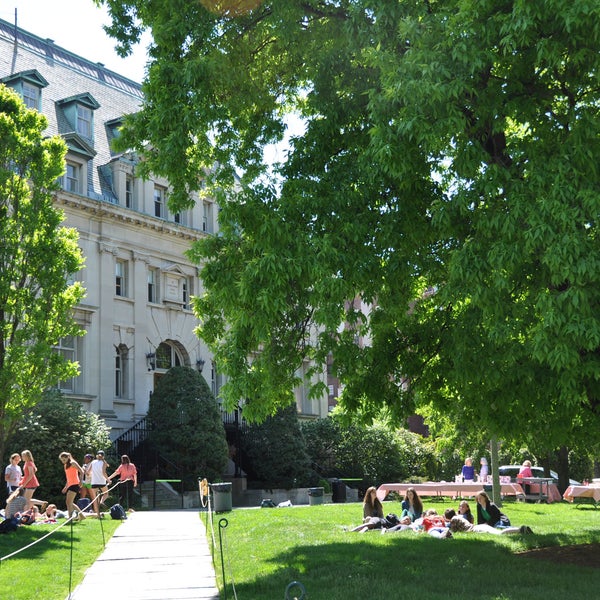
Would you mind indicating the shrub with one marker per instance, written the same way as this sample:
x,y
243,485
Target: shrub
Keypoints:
x,y
56,425
274,452
187,428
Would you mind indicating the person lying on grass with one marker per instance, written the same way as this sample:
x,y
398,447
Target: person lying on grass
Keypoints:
x,y
432,523
459,524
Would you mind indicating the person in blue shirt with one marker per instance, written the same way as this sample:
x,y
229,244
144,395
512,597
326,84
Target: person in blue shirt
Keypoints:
x,y
468,470
411,505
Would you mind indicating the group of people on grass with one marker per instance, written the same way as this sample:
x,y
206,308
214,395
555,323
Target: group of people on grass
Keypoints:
x,y
413,517
89,480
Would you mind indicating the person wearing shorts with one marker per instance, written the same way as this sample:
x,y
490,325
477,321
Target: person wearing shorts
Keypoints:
x,y
99,477
71,489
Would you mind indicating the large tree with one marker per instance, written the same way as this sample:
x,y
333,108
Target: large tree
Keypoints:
x,y
37,257
447,174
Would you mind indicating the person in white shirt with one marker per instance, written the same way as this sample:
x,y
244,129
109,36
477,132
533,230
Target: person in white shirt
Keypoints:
x,y
99,477
13,473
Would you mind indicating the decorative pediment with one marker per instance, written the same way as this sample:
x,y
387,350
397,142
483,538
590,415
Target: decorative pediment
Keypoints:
x,y
85,99
78,145
32,76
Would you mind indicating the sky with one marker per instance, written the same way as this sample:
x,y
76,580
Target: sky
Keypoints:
x,y
75,25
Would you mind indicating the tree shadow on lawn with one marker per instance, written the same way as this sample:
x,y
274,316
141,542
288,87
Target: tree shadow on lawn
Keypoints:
x,y
28,534
420,566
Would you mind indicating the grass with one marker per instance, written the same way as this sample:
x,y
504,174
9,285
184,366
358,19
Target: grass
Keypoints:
x,y
43,571
266,549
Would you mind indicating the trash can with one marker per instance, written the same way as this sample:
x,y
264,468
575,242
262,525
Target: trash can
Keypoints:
x,y
338,491
315,495
221,496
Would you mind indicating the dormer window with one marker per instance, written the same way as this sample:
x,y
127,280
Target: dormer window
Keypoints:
x,y
29,85
84,121
78,114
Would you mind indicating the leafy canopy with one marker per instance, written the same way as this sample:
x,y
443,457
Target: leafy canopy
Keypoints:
x,y
37,257
447,175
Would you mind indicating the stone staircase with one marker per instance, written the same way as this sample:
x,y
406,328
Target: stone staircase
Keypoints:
x,y
160,495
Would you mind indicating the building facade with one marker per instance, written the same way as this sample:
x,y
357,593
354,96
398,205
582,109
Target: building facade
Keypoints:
x,y
137,312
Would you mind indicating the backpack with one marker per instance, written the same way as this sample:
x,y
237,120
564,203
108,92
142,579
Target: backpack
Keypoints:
x,y
83,503
9,525
391,520
118,512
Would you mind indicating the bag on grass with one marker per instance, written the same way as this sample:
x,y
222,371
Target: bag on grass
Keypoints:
x,y
83,503
391,520
118,512
9,525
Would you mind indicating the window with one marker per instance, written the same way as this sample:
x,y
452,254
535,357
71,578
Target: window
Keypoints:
x,y
72,178
29,85
129,191
187,290
66,348
153,276
159,201
167,357
31,95
120,372
216,380
84,121
121,278
205,216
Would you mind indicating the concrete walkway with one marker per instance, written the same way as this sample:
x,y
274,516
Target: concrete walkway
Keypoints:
x,y
153,556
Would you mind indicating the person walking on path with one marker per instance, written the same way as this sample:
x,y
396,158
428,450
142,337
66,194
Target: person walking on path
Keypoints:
x,y
99,489
73,484
128,481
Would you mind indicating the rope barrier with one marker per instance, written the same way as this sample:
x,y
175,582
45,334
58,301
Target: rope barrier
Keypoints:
x,y
60,526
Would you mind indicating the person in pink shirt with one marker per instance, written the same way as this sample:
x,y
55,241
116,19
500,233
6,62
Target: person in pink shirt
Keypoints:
x,y
30,481
525,470
127,480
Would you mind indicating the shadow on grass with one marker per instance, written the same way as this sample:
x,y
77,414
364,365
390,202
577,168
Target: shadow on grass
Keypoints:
x,y
26,535
420,566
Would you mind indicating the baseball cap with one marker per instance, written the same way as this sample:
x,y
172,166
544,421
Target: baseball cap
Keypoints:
x,y
100,452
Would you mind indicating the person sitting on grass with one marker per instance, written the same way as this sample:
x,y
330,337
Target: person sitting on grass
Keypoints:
x,y
488,513
15,503
464,511
372,512
411,505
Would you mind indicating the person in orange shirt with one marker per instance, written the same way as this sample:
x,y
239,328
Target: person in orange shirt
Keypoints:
x,y
71,489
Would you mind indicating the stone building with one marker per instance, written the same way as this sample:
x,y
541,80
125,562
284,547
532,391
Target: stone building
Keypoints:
x,y
136,314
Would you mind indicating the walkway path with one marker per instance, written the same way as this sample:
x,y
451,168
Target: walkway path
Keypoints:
x,y
153,556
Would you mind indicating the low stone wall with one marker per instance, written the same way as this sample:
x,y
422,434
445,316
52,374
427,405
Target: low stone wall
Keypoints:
x,y
243,497
297,496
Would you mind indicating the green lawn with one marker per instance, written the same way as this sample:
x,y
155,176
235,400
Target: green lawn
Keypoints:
x,y
42,572
266,549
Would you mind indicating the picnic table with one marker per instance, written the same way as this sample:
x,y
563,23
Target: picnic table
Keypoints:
x,y
576,493
452,489
542,489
